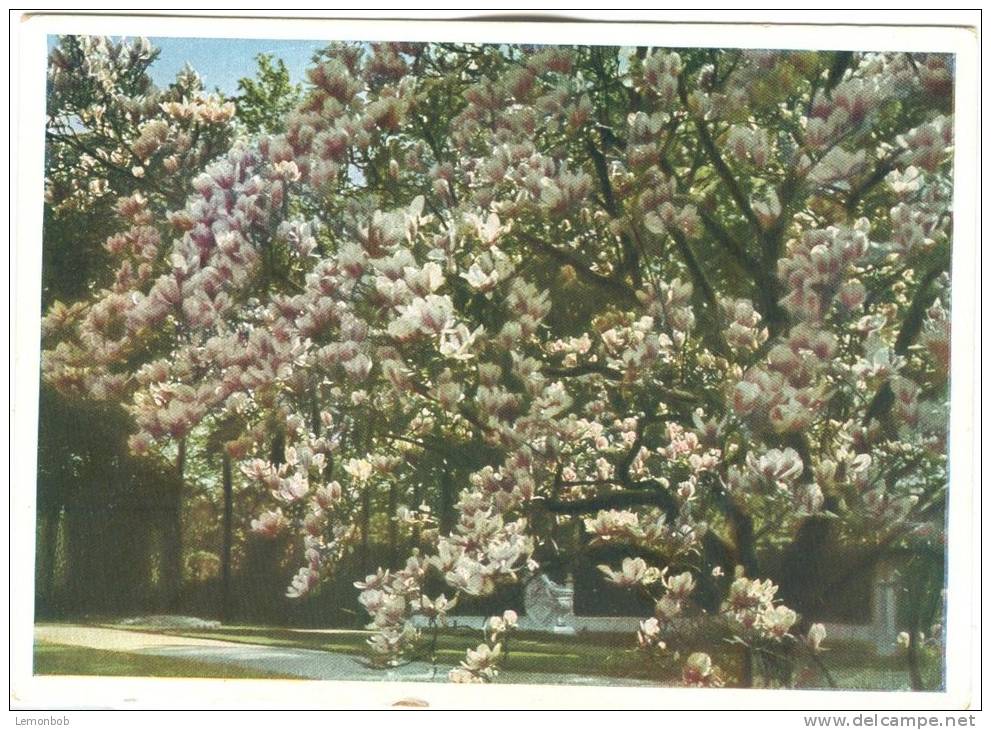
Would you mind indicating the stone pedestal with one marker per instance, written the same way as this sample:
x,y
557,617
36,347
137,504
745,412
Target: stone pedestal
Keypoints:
x,y
549,606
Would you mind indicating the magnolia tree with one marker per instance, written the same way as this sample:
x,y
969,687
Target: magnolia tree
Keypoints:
x,y
119,146
691,303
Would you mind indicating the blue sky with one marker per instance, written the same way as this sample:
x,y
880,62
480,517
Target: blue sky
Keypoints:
x,y
222,61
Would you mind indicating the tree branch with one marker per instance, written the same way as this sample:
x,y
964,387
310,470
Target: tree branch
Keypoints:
x,y
631,257
587,368
614,500
730,244
623,470
880,173
615,287
725,174
884,399
671,395
694,268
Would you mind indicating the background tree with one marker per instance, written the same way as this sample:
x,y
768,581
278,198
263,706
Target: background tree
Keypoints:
x,y
120,153
265,100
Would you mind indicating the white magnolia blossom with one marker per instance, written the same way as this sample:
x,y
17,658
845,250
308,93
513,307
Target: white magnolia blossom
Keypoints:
x,y
634,571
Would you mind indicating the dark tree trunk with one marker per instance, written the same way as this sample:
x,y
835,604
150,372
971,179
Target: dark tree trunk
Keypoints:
x,y
278,455
172,537
447,497
83,536
417,499
393,524
315,423
924,576
747,667
744,540
804,573
365,525
914,669
48,550
225,555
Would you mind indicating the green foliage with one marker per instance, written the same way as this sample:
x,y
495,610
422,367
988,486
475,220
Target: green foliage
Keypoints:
x,y
266,99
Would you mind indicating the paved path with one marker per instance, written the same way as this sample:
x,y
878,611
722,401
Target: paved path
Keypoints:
x,y
100,637
303,663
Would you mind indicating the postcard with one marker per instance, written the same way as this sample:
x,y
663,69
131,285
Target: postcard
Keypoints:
x,y
471,363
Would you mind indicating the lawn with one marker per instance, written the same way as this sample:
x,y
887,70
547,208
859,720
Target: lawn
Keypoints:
x,y
852,665
56,659
591,655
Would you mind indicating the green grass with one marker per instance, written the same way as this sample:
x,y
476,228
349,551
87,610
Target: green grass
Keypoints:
x,y
852,665
57,659
591,655
588,654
